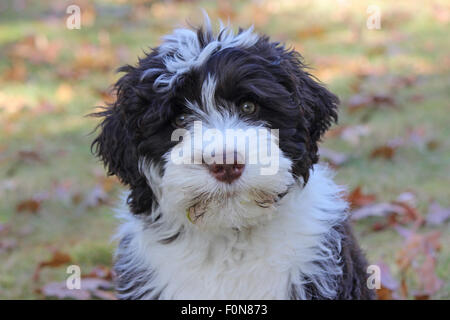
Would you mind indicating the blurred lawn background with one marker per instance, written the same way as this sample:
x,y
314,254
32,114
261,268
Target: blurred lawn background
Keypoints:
x,y
392,137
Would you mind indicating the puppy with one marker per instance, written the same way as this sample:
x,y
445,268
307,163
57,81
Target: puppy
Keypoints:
x,y
207,218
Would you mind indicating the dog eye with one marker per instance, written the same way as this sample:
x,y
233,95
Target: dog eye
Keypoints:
x,y
248,107
180,120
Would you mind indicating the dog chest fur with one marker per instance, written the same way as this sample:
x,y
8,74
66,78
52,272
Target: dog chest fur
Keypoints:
x,y
264,262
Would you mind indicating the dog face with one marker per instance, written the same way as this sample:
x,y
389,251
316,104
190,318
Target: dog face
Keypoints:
x,y
198,83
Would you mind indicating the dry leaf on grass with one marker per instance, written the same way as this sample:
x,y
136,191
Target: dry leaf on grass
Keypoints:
x,y
100,272
389,285
58,259
418,254
357,199
29,205
7,244
91,288
364,101
386,152
334,158
437,214
401,211
30,156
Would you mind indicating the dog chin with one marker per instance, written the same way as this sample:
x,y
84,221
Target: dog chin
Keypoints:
x,y
191,196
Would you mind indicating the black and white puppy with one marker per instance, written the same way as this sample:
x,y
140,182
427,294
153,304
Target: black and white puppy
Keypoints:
x,y
224,229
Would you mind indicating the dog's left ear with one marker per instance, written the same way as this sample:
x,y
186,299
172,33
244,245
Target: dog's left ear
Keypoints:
x,y
318,105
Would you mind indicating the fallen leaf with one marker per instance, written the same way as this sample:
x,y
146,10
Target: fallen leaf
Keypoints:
x,y
100,272
418,254
382,209
429,283
334,132
408,198
59,290
7,244
96,197
16,72
437,214
352,134
91,288
386,152
58,259
334,158
387,279
358,101
36,48
384,294
30,205
30,156
357,199
362,101
389,285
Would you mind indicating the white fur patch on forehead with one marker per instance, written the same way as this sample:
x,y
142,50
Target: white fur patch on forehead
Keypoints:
x,y
208,93
183,51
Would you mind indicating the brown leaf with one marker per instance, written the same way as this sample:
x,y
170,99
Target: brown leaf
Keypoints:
x,y
428,280
358,101
357,199
30,205
382,209
361,101
386,152
17,72
389,285
408,201
334,132
58,258
30,156
384,294
404,288
410,258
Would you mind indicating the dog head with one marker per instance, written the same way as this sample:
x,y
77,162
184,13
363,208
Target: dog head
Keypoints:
x,y
213,85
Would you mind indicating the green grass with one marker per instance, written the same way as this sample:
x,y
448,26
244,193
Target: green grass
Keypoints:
x,y
412,41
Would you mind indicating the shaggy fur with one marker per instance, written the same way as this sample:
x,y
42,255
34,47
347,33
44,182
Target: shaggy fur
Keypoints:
x,y
281,236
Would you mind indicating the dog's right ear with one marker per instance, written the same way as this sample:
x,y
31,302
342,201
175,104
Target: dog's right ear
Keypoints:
x,y
114,145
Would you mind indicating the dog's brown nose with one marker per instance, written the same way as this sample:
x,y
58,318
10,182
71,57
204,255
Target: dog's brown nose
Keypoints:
x,y
226,172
